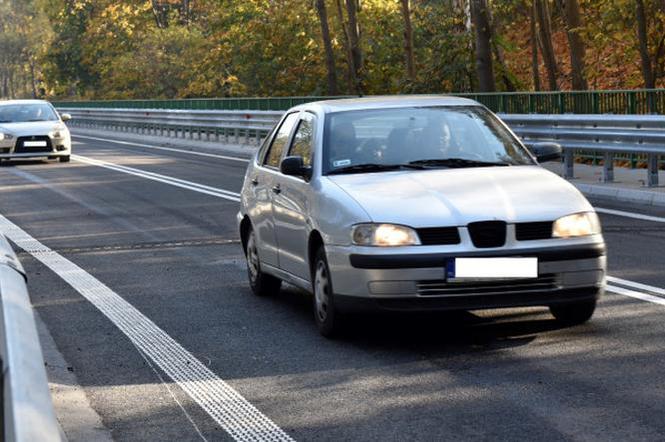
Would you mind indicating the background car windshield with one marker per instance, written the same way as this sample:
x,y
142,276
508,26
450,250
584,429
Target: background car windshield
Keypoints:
x,y
23,113
404,135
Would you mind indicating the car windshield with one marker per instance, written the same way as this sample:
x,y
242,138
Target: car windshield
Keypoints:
x,y
418,138
23,113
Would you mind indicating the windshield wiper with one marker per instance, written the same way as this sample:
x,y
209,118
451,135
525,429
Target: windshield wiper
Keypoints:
x,y
373,167
456,162
34,121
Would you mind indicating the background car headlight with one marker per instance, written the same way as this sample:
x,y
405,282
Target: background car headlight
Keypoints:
x,y
384,235
4,136
578,224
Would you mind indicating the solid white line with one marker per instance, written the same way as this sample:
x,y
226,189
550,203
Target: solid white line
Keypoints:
x,y
208,190
635,294
657,219
227,407
170,149
637,285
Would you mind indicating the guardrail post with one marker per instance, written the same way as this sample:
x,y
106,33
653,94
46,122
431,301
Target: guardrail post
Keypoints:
x,y
608,167
568,163
652,160
236,136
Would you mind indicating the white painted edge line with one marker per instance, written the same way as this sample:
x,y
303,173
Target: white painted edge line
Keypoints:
x,y
636,294
657,219
170,149
201,188
224,405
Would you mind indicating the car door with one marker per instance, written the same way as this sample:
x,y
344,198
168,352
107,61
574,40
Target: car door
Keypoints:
x,y
291,203
262,180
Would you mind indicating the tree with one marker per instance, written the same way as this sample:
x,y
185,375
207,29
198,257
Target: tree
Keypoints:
x,y
483,35
408,42
327,44
547,49
642,35
534,47
571,13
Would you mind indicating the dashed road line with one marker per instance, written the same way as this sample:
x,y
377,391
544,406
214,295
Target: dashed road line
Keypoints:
x,y
169,149
237,416
208,190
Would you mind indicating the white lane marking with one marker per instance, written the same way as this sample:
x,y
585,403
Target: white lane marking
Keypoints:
x,y
657,219
201,188
636,294
636,285
242,420
170,149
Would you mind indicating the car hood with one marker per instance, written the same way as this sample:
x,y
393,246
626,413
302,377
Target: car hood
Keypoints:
x,y
442,197
29,128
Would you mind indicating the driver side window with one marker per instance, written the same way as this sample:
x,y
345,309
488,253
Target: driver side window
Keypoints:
x,y
279,142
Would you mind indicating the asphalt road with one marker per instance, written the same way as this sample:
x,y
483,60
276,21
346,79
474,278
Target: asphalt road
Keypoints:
x,y
171,252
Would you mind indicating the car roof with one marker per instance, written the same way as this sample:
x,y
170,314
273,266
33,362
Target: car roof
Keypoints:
x,y
389,101
8,102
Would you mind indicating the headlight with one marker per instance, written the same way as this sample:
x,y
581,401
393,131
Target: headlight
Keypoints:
x,y
6,136
58,132
578,224
384,235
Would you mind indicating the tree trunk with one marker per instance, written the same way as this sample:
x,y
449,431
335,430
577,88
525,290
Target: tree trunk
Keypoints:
x,y
534,49
347,46
408,42
647,71
570,10
545,26
327,44
484,68
352,8
160,13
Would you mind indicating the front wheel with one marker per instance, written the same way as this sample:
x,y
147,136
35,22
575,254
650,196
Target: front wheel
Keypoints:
x,y
574,312
261,283
326,315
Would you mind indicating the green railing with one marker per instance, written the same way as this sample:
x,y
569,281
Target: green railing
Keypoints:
x,y
640,101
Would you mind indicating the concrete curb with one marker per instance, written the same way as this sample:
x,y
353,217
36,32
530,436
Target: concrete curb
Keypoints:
x,y
646,197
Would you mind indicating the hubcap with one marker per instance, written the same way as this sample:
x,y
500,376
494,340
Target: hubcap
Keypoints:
x,y
321,291
252,258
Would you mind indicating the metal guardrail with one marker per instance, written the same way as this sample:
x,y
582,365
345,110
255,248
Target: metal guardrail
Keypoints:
x,y
610,135
635,101
28,411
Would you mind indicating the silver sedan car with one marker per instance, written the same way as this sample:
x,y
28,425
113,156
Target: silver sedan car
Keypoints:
x,y
416,203
33,129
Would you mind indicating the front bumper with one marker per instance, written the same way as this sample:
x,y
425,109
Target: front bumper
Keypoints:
x,y
417,281
56,147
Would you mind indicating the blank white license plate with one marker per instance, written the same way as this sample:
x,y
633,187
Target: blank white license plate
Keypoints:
x,y
491,268
34,143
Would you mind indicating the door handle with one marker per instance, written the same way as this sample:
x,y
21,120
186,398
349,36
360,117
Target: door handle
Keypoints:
x,y
277,189
255,181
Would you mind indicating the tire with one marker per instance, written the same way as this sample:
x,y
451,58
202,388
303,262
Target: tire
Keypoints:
x,y
327,318
574,313
261,283
64,159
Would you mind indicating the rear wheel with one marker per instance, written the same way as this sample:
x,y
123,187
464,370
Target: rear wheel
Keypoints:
x,y
574,312
327,317
261,283
64,159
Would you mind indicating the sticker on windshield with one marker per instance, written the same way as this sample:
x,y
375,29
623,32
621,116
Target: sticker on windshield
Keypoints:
x,y
340,163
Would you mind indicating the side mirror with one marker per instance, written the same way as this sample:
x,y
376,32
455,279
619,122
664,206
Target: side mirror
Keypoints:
x,y
546,151
65,117
294,166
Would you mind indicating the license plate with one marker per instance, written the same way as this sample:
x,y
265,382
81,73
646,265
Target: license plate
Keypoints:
x,y
465,269
34,143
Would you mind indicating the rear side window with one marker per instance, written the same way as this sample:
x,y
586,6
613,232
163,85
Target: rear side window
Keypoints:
x,y
278,143
302,140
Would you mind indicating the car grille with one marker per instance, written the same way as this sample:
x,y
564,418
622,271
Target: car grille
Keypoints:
x,y
20,148
442,288
532,231
485,234
435,236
